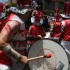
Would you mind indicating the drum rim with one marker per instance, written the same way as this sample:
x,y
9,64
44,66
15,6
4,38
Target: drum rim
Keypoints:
x,y
47,39
51,40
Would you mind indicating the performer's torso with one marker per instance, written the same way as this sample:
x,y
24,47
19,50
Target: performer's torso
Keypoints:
x,y
57,29
18,42
36,30
67,31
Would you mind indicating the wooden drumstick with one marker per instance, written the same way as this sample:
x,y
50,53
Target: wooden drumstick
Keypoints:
x,y
48,55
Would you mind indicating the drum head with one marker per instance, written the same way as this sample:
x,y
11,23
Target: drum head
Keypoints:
x,y
57,61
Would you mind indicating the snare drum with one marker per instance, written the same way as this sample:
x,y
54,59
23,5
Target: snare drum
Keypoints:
x,y
58,60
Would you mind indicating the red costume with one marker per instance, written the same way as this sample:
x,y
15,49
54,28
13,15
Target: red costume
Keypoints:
x,y
66,29
19,41
56,30
56,25
66,36
36,29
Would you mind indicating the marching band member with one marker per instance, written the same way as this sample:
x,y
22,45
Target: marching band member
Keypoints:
x,y
13,31
65,40
55,28
36,28
65,35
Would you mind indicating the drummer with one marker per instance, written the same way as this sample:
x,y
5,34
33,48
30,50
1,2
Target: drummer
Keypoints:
x,y
55,28
36,28
12,36
65,42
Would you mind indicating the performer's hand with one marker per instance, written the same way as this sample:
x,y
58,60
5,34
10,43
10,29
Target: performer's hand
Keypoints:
x,y
40,36
23,59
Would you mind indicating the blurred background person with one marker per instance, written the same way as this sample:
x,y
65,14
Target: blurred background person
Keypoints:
x,y
55,29
36,29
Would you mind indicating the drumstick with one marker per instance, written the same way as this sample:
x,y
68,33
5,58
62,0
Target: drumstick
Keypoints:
x,y
48,55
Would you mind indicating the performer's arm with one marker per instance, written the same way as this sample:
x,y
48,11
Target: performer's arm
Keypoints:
x,y
34,12
7,32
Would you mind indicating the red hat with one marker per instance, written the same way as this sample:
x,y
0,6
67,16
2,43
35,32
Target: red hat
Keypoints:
x,y
66,8
1,7
38,16
37,19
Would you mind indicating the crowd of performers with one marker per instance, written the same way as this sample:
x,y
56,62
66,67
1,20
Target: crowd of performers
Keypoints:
x,y
15,40
60,28
13,34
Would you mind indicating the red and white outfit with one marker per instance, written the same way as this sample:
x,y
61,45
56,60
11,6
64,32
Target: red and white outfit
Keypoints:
x,y
36,29
66,38
66,23
18,43
57,25
19,40
56,30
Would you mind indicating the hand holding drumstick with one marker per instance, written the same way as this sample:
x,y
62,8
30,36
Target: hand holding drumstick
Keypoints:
x,y
48,55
